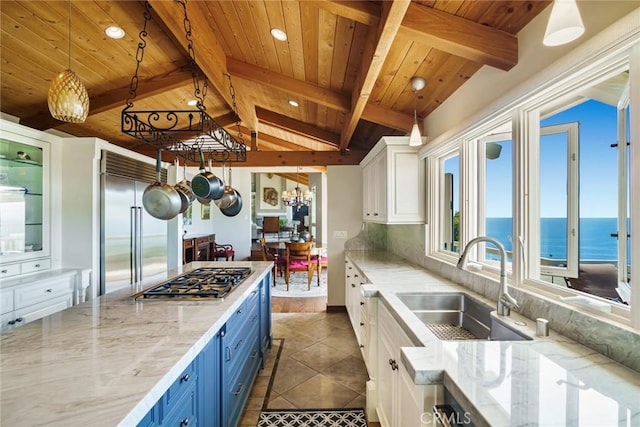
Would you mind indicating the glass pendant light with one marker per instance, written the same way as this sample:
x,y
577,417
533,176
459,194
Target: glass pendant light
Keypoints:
x,y
67,98
565,23
415,139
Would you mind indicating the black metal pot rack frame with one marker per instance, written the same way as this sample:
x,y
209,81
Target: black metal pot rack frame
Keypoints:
x,y
183,132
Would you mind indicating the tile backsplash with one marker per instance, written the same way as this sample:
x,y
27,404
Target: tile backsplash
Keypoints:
x,y
614,340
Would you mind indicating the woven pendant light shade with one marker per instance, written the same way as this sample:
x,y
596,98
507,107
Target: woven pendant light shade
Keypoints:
x,y
68,98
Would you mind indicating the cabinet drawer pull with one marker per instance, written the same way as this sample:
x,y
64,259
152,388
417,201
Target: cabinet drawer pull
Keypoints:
x,y
353,285
37,265
361,302
361,323
184,378
184,422
11,322
254,354
49,290
19,319
238,345
239,390
254,318
5,271
239,311
355,275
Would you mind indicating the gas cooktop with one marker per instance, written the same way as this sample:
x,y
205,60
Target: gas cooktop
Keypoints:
x,y
206,282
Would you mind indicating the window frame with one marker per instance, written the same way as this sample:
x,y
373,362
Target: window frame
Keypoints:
x,y
523,109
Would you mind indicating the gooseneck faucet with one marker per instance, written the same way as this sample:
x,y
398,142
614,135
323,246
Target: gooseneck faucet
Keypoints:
x,y
505,301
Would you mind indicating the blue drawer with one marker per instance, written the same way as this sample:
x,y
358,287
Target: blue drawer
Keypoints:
x,y
182,385
236,347
184,410
239,387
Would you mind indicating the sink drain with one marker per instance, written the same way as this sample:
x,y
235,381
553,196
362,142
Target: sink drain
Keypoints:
x,y
450,332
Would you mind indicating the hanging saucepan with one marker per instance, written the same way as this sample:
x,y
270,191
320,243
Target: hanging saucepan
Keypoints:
x,y
184,189
162,201
206,185
229,196
234,209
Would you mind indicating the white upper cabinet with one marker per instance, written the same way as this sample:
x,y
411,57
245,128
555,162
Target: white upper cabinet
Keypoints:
x,y
24,201
393,183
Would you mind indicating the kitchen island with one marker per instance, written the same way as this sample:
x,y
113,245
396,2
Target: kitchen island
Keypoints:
x,y
109,361
547,380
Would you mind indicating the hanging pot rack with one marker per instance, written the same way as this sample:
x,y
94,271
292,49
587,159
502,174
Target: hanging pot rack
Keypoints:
x,y
184,132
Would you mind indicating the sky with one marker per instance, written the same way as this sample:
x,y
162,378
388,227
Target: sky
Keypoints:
x,y
597,173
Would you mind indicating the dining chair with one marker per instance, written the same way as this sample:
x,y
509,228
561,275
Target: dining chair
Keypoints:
x,y
271,255
298,258
271,225
225,251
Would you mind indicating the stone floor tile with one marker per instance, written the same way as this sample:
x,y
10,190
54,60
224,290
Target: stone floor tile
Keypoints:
x,y
319,356
291,373
320,392
350,372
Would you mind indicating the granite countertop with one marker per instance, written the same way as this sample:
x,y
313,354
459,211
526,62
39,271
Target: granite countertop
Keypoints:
x,y
107,361
551,381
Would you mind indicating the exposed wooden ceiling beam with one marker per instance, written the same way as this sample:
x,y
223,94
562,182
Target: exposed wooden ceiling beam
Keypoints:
x,y
461,37
210,55
296,126
390,118
375,53
444,31
273,143
317,94
286,158
365,12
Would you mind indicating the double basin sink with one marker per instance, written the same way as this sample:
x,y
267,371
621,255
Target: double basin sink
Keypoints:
x,y
458,316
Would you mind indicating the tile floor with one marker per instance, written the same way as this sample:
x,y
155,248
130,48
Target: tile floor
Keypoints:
x,y
319,365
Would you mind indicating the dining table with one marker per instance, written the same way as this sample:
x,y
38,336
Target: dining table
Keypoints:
x,y
277,249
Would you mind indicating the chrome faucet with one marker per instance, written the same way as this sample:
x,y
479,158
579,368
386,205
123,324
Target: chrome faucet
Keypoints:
x,y
505,301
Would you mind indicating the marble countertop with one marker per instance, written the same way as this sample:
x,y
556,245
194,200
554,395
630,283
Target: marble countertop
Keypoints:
x,y
548,381
107,361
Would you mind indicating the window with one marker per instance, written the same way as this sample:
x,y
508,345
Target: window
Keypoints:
x,y
550,177
495,176
450,204
583,180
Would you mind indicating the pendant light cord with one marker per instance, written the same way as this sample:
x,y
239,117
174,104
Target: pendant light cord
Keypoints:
x,y
69,34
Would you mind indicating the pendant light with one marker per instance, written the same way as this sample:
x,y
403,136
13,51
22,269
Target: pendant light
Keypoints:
x,y
415,140
68,98
565,23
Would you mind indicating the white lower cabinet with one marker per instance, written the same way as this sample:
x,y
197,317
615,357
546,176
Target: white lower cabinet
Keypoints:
x,y
25,300
390,338
353,283
401,403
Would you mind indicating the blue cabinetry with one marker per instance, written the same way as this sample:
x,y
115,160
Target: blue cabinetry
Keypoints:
x,y
213,390
265,315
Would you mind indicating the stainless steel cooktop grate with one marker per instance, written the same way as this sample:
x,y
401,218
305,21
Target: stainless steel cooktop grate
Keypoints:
x,y
450,332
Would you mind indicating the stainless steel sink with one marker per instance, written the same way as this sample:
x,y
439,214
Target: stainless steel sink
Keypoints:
x,y
458,316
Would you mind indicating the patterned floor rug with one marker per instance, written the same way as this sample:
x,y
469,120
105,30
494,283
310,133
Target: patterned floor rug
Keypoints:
x,y
298,287
313,418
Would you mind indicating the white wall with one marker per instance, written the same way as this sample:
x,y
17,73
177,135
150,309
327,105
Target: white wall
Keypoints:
x,y
344,213
489,83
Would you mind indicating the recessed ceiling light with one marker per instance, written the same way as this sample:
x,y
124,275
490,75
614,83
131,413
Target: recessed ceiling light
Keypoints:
x,y
192,103
278,34
293,103
114,32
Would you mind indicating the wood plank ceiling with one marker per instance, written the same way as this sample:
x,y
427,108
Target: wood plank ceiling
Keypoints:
x,y
347,64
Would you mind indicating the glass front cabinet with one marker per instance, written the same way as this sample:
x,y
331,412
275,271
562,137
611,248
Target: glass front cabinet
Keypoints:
x,y
24,185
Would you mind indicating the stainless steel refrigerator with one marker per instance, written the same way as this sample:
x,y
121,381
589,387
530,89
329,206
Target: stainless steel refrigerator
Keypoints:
x,y
133,243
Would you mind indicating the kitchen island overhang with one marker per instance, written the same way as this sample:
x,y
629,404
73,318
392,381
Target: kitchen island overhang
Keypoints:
x,y
110,359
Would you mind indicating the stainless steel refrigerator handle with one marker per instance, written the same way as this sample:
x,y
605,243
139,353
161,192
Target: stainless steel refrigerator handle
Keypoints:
x,y
140,257
132,245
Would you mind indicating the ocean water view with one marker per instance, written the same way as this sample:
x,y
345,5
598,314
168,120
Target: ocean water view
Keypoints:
x,y
596,242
